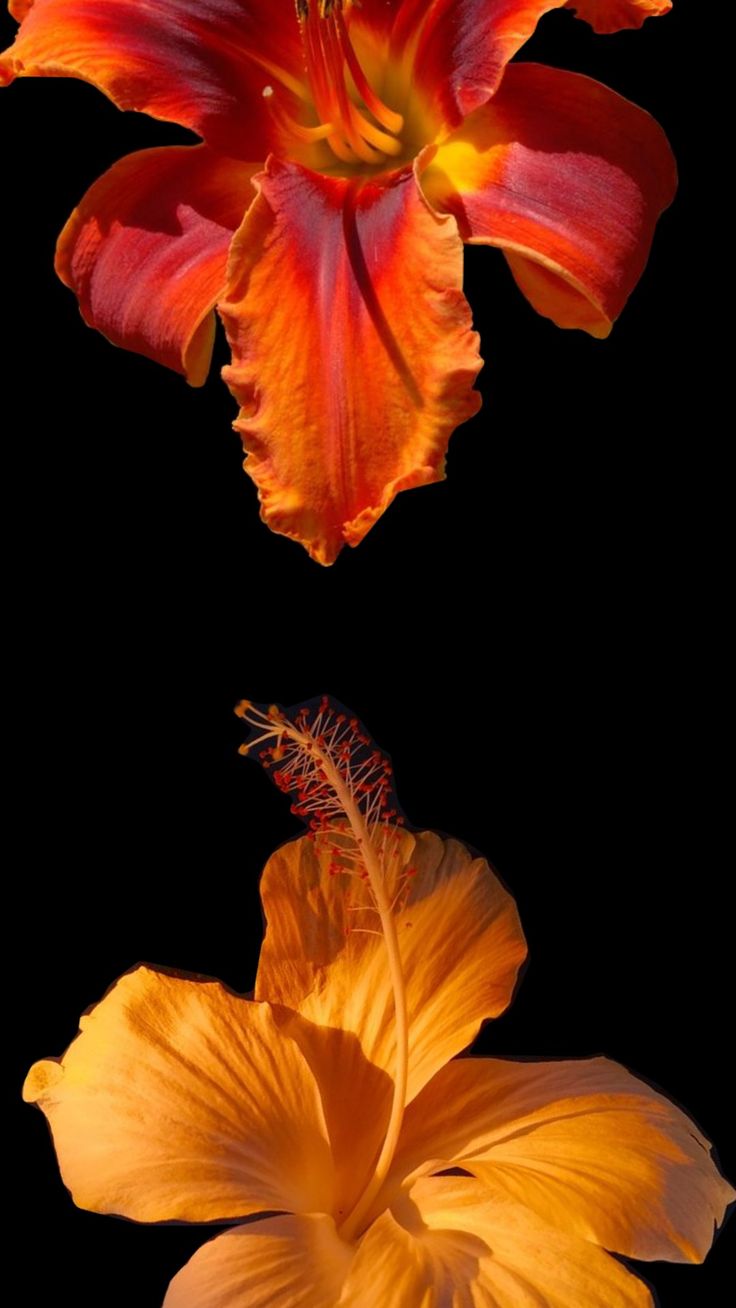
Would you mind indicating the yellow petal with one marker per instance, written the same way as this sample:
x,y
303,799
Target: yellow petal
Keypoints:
x,y
460,941
586,1145
182,1100
449,1243
356,1100
279,1262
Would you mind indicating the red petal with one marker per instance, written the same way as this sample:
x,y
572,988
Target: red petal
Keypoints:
x,y
569,179
613,15
146,251
464,47
202,63
353,356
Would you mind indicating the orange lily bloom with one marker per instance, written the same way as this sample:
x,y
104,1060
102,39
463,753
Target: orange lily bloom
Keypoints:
x,y
392,132
335,1098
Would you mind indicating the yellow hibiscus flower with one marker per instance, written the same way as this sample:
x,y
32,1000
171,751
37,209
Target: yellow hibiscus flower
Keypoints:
x,y
399,1174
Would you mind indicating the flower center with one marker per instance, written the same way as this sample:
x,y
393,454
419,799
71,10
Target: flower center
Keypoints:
x,y
352,119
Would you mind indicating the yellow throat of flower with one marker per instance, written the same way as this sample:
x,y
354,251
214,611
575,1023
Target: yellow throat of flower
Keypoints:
x,y
337,777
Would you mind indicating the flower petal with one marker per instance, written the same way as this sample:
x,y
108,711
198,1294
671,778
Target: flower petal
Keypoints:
x,y
613,15
356,1100
201,63
146,251
584,1144
459,936
569,179
451,1241
463,48
181,1100
353,357
278,1262
380,15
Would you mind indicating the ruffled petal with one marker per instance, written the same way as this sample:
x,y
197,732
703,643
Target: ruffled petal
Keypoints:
x,y
201,63
586,1145
146,251
614,15
353,357
181,1100
460,50
450,1241
459,936
568,179
279,1262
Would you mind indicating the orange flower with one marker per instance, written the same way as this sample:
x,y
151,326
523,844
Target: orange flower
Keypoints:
x,y
392,131
334,1097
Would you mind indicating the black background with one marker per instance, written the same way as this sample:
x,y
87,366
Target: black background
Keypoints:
x,y
539,642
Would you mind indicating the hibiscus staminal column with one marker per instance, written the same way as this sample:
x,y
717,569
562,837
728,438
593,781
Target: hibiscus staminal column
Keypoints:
x,y
342,789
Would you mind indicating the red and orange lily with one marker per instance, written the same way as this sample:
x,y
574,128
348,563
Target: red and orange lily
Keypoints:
x,y
335,1098
392,131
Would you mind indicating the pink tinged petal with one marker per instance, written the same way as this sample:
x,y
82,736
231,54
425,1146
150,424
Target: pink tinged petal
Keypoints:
x,y
146,251
181,1100
278,1262
201,63
586,1145
463,47
569,180
451,1243
614,15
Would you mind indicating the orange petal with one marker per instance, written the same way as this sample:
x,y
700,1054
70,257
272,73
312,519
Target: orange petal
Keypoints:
x,y
451,1241
202,65
146,251
460,941
278,1262
568,179
181,1100
586,1145
613,15
464,47
353,357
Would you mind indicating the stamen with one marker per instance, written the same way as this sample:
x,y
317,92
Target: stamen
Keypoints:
x,y
350,120
381,112
291,127
324,99
330,57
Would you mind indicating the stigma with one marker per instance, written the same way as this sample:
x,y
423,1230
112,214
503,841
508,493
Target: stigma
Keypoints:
x,y
356,124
